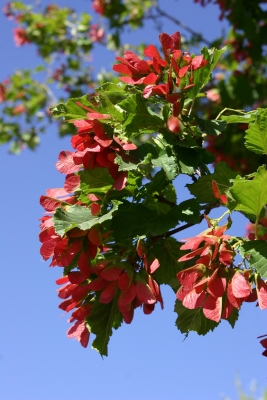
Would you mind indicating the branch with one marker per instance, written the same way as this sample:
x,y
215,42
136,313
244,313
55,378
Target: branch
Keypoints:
x,y
208,209
161,199
161,13
197,35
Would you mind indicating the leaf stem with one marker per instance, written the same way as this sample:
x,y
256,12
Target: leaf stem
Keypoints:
x,y
230,109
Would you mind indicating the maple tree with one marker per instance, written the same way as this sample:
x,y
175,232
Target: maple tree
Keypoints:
x,y
111,227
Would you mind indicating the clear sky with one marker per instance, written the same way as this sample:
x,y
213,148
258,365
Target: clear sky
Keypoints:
x,y
149,359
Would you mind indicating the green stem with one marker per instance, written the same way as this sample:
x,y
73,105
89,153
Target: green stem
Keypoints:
x,y
230,109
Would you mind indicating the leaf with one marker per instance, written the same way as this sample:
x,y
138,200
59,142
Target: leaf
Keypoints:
x,y
95,181
133,220
139,117
189,159
189,211
71,110
134,104
141,155
193,320
144,123
202,75
251,195
167,162
257,252
101,320
158,183
78,216
167,251
239,119
256,134
202,189
113,89
111,109
211,127
232,319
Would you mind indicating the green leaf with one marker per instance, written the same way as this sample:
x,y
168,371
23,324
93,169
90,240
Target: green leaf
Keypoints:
x,y
158,183
110,88
239,119
211,127
202,189
141,155
233,317
251,195
187,160
257,251
133,220
167,251
134,104
71,110
139,117
202,75
101,320
96,180
111,109
167,162
78,216
256,134
193,320
125,165
189,211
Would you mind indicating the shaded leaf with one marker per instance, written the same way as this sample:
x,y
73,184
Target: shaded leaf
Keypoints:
x,y
193,320
211,127
167,251
202,189
133,220
95,181
189,211
101,320
232,319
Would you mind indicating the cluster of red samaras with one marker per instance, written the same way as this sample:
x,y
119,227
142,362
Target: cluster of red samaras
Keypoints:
x,y
157,74
214,278
80,286
94,149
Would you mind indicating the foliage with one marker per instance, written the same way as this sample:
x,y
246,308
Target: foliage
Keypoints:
x,y
111,226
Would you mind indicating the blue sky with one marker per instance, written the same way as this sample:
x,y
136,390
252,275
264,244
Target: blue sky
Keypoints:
x,y
148,359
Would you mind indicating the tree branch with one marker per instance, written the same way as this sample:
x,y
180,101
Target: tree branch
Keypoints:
x,y
161,199
208,209
161,13
197,35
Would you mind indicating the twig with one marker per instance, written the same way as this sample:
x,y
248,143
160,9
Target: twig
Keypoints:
x,y
162,199
197,35
208,209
